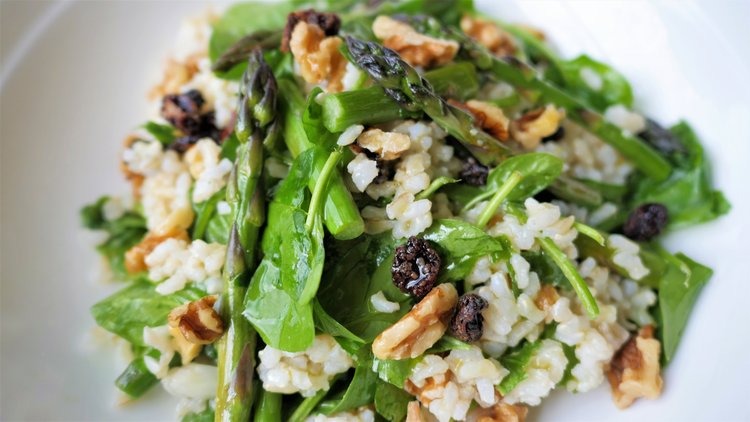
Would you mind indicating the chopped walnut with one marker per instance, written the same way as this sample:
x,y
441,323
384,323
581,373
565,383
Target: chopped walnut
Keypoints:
x,y
529,129
490,118
489,35
318,56
135,179
135,257
415,48
418,330
634,371
328,22
387,145
501,412
198,321
176,74
188,351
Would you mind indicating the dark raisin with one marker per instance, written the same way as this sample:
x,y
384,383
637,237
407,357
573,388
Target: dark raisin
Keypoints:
x,y
466,324
646,222
661,139
558,135
415,267
473,173
328,22
183,111
183,143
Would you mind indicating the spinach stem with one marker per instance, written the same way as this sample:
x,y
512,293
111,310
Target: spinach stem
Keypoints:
x,y
307,405
318,191
589,232
498,198
569,271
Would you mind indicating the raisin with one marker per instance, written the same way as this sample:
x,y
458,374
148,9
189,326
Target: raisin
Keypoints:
x,y
415,267
646,222
183,111
661,139
473,173
466,324
558,135
328,22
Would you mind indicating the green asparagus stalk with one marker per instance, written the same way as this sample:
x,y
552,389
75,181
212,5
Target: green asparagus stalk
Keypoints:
x,y
412,92
340,212
522,75
371,105
236,349
244,47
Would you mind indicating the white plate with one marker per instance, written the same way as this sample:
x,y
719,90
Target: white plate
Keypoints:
x,y
73,83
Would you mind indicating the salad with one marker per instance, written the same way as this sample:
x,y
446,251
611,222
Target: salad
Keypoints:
x,y
395,210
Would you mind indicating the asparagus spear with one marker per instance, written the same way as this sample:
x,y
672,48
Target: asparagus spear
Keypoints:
x,y
372,105
256,122
244,48
522,75
413,93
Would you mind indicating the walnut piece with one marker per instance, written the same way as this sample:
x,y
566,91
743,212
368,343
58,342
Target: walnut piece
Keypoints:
x,y
634,371
418,330
529,129
318,56
499,42
328,22
188,351
388,145
176,74
415,48
501,412
490,118
135,257
197,321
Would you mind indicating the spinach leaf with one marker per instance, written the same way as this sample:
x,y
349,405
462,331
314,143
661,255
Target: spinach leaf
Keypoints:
x,y
448,343
278,302
229,147
614,89
678,291
204,213
688,193
206,415
123,233
394,372
242,19
517,361
163,133
538,170
129,310
391,401
361,391
547,270
570,354
327,324
435,185
460,244
357,269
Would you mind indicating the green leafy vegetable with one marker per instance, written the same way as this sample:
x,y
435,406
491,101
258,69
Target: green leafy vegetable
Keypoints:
x,y
571,273
394,372
123,233
516,362
537,169
435,185
161,132
614,88
327,324
361,391
688,193
460,244
391,401
240,20
129,310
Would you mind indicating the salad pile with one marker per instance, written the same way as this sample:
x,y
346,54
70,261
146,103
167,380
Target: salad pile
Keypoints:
x,y
395,210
